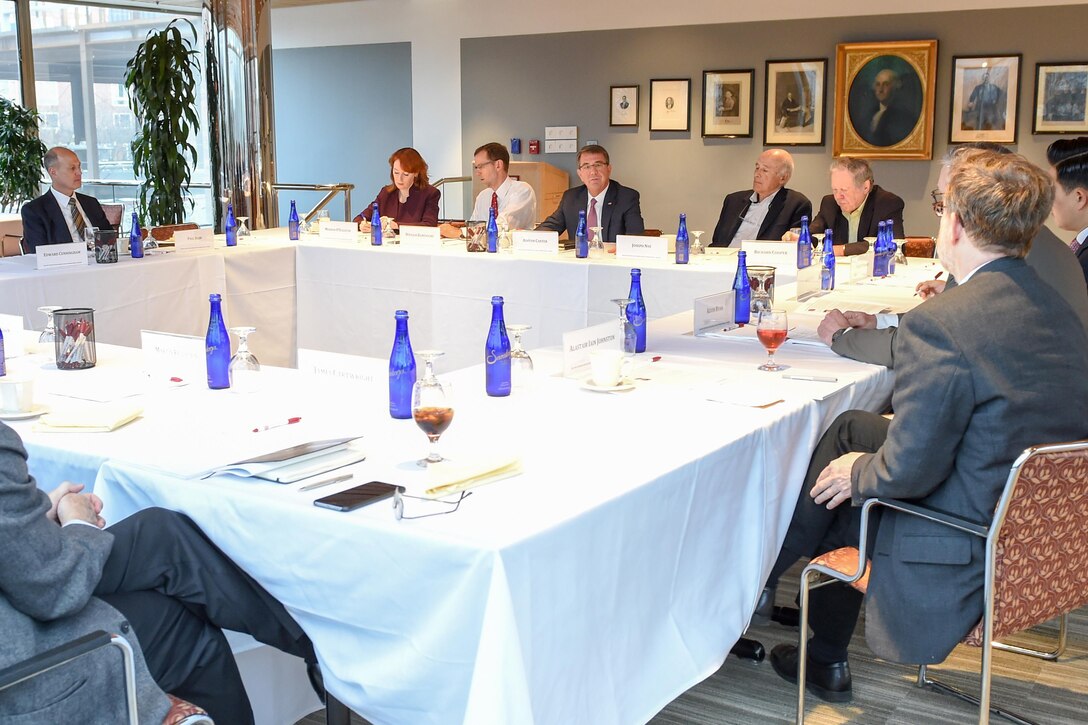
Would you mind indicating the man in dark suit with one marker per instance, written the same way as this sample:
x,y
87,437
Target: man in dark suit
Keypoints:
x,y
607,204
768,209
855,207
976,383
1068,159
154,576
888,123
60,215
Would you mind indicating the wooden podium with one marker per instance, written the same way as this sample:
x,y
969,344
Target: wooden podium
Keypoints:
x,y
548,182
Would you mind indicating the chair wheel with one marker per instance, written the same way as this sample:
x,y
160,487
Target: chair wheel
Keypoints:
x,y
749,649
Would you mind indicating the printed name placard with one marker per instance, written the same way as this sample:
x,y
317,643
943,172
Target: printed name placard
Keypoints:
x,y
578,343
420,237
338,366
12,327
167,355
193,239
713,313
629,245
808,279
540,242
859,266
61,255
780,255
339,231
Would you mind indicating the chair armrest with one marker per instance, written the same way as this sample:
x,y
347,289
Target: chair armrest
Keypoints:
x,y
935,516
55,657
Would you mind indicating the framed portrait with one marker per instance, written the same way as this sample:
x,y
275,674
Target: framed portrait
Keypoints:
x,y
884,97
670,104
1061,98
623,102
985,96
727,103
796,103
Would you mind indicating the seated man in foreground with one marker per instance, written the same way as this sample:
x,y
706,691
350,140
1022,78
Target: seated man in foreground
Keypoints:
x,y
60,215
979,377
608,204
768,209
153,575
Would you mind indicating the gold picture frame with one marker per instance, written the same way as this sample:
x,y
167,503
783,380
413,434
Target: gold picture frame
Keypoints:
x,y
884,99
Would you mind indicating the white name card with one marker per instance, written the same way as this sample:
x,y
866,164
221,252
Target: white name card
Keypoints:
x,y
540,242
578,343
808,279
348,368
420,237
173,356
629,245
61,255
859,266
780,255
339,231
12,327
193,239
714,313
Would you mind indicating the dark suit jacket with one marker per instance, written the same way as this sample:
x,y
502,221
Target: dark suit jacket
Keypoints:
x,y
1049,257
978,380
786,210
894,126
621,213
43,222
1082,257
421,208
879,206
47,575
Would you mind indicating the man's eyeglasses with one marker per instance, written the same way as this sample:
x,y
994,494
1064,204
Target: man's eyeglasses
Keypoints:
x,y
595,166
477,167
938,202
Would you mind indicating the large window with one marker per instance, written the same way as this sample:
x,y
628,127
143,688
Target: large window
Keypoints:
x,y
9,54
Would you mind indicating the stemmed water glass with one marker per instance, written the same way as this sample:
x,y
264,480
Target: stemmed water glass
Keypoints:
x,y
243,366
49,334
771,331
627,328
696,245
596,244
521,365
243,230
432,405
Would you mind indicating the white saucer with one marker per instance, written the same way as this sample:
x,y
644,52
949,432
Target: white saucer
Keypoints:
x,y
588,384
24,414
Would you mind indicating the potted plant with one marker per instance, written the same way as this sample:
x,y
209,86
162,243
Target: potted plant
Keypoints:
x,y
21,154
161,83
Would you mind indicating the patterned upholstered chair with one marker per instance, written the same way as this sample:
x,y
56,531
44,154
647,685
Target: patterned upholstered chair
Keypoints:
x,y
1036,561
919,247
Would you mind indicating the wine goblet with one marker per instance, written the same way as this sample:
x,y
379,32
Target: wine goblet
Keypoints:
x,y
596,243
432,405
243,230
771,331
627,328
244,367
521,365
696,245
49,334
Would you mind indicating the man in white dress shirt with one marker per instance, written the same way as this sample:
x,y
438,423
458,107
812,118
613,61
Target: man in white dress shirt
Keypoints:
x,y
60,215
514,200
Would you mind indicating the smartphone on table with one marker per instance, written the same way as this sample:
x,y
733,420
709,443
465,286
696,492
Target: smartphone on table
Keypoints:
x,y
357,496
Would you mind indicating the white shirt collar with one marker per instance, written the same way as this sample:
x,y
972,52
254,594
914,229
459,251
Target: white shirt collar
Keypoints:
x,y
1082,236
599,197
61,198
971,274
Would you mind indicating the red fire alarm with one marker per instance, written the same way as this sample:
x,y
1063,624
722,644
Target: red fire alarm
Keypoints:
x,y
534,146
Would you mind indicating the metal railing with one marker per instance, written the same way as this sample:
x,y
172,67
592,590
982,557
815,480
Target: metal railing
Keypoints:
x,y
451,180
202,211
331,191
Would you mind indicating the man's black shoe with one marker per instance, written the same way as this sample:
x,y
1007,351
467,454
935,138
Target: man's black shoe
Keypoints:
x,y
786,616
764,608
830,683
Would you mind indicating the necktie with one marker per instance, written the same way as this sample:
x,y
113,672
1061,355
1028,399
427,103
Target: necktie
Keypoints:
x,y
592,218
495,203
77,218
1074,245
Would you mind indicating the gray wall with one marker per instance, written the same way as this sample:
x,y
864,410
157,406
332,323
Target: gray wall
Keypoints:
x,y
340,113
515,86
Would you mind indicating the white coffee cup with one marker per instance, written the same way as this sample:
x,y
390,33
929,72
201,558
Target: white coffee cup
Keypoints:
x,y
16,394
607,367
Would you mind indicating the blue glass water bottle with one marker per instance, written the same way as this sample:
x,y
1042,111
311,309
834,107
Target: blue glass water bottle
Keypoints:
x,y
402,370
890,247
3,363
231,227
683,247
636,310
292,223
135,239
217,347
492,232
880,260
581,240
497,353
742,291
827,271
375,226
804,245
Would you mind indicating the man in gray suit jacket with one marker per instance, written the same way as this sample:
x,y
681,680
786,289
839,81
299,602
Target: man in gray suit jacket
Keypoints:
x,y
613,206
154,576
978,380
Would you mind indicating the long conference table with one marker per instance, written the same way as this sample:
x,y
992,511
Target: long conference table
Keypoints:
x,y
614,573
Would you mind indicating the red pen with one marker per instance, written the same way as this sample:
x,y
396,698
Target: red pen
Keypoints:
x,y
290,421
655,358
176,380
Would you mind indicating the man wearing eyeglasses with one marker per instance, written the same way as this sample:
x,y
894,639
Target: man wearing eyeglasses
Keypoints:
x,y
514,201
768,209
608,204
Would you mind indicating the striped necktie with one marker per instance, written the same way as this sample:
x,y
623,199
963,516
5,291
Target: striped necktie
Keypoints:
x,y
1074,245
77,218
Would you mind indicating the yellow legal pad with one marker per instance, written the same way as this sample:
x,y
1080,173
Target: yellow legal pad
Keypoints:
x,y
98,418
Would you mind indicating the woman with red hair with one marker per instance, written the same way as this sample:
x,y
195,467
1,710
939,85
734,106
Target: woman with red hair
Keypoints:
x,y
410,199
